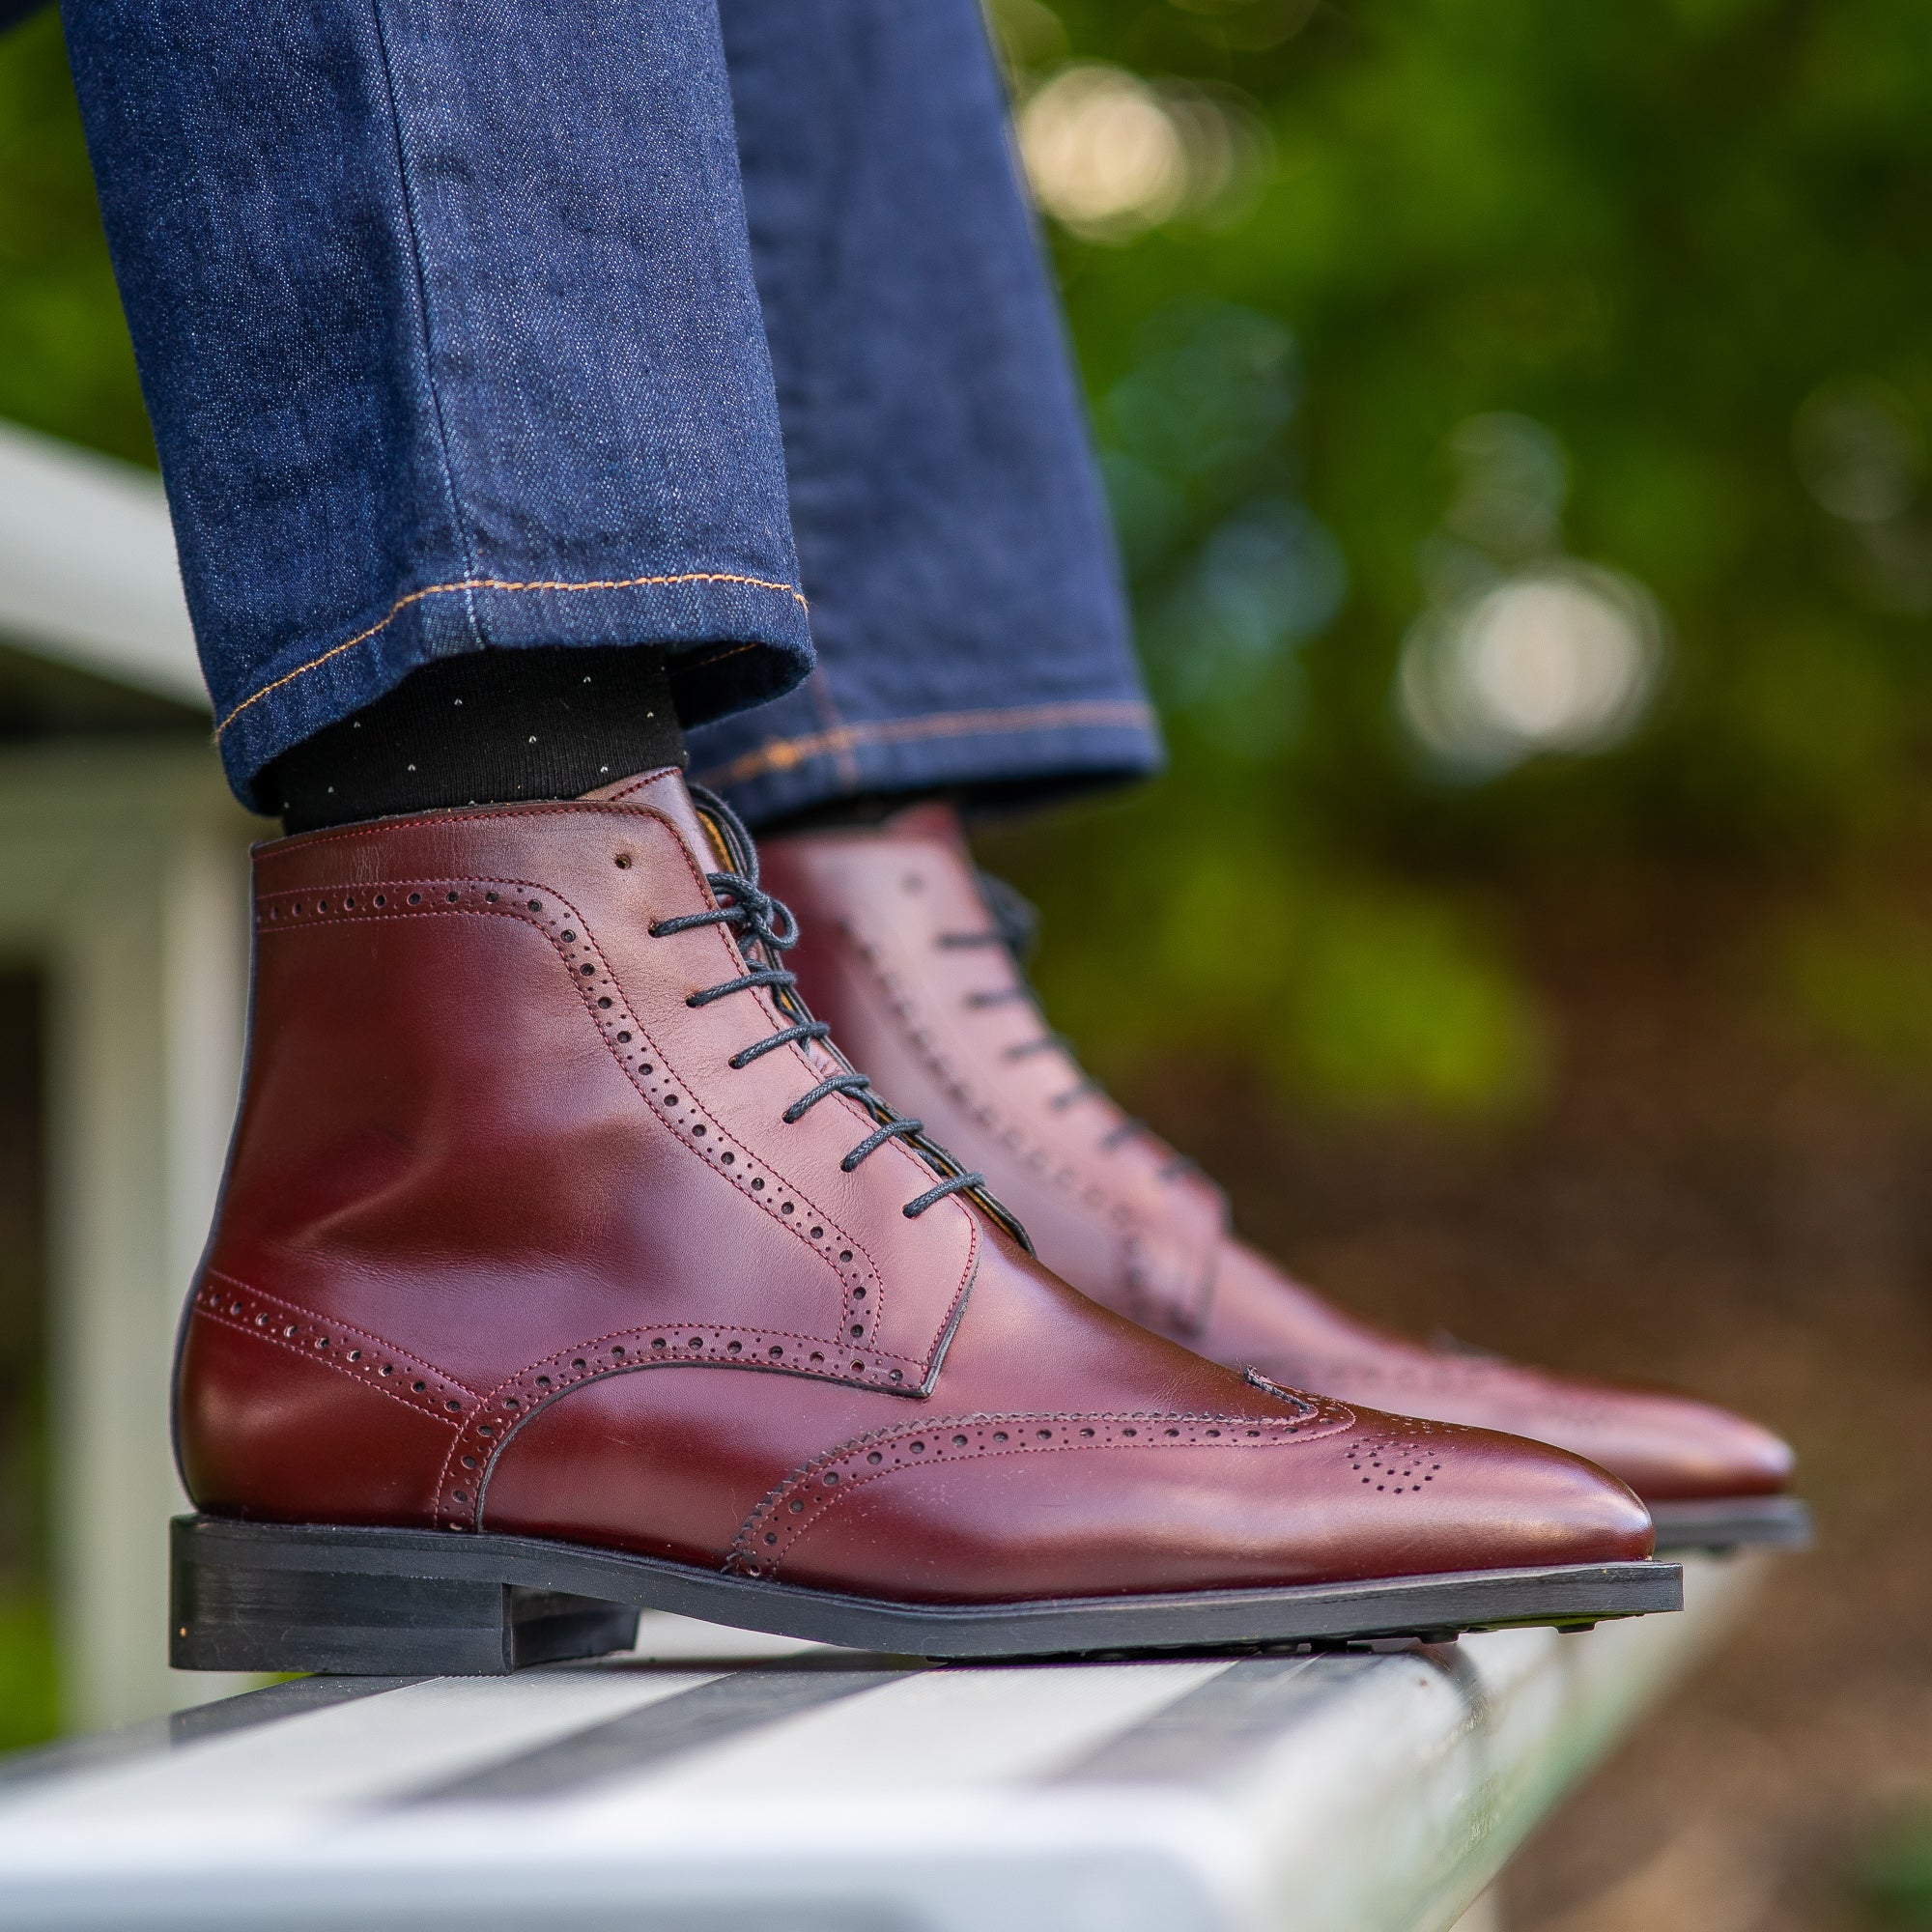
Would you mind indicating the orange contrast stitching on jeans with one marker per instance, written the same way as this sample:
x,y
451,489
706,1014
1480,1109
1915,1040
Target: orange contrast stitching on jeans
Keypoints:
x,y
402,604
781,754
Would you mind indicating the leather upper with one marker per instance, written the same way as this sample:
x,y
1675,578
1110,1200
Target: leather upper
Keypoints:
x,y
508,1242
899,953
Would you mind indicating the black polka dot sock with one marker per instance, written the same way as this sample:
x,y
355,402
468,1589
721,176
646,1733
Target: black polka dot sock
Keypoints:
x,y
490,727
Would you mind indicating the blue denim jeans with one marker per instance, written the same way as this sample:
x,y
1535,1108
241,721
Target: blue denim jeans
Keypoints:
x,y
478,324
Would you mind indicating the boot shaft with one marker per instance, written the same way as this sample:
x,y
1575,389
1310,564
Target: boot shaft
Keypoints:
x,y
902,952
487,1147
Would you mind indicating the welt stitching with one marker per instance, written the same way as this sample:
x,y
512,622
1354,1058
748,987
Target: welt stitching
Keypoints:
x,y
471,585
874,1317
782,754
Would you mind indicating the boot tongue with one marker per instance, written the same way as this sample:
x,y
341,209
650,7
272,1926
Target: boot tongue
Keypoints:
x,y
665,790
937,822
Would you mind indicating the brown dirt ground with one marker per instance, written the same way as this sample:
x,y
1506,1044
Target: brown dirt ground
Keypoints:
x,y
1708,1201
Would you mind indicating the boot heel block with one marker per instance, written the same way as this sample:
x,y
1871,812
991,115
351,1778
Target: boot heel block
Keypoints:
x,y
243,1598
403,1603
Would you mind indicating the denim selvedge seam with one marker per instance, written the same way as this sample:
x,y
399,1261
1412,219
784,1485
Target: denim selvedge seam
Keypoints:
x,y
458,526
819,689
469,585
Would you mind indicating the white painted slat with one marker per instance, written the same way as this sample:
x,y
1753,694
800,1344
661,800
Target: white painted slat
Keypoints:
x,y
668,1639
934,1729
351,1754
87,567
1335,1793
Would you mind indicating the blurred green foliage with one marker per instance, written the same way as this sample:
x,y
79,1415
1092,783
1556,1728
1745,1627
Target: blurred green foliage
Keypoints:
x,y
1895,1881
1472,290
1860,968
1678,242
66,364
28,1678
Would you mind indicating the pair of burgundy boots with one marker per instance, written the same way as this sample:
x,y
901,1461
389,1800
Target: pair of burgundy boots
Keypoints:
x,y
564,1267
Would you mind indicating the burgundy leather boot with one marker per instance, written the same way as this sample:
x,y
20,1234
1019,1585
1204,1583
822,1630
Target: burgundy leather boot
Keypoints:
x,y
904,955
562,1267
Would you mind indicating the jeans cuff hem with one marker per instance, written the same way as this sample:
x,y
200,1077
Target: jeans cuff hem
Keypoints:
x,y
1054,745
733,641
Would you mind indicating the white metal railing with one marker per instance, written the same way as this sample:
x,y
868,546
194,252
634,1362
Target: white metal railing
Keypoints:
x,y
87,566
126,883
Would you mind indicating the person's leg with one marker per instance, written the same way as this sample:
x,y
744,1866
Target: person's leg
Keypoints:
x,y
445,323
448,332
972,644
966,602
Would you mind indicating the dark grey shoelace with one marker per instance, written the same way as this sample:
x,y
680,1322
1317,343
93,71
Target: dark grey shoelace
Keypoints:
x,y
1016,927
767,928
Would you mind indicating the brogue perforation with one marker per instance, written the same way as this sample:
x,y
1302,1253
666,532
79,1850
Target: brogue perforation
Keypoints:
x,y
670,1096
800,1504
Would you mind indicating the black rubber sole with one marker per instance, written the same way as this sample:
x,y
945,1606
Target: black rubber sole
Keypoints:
x,y
413,1603
1735,1522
